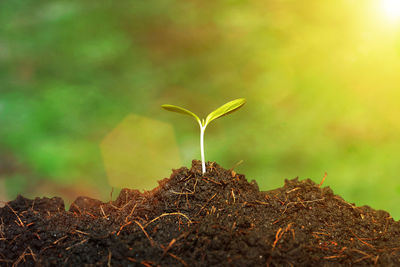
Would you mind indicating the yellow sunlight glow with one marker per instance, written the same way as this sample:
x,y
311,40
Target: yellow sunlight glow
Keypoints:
x,y
391,9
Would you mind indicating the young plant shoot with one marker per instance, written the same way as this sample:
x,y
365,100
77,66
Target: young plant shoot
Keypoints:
x,y
219,112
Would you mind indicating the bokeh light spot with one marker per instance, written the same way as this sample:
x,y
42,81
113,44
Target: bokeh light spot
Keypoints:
x,y
391,9
139,152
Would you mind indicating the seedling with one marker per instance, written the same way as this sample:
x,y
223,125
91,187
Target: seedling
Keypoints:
x,y
219,112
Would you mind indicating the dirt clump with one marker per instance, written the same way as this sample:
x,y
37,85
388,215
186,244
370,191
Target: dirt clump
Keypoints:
x,y
191,219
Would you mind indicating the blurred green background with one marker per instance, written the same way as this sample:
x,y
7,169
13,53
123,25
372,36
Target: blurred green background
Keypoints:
x,y
321,78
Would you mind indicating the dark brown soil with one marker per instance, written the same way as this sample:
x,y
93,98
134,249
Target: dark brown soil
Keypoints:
x,y
218,219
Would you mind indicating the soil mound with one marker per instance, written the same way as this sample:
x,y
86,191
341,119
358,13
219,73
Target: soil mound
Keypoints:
x,y
216,219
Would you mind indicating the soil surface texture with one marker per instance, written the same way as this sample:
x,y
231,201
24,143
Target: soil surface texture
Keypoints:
x,y
215,219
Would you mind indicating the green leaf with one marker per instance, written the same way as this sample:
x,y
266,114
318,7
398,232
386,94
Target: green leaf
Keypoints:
x,y
181,110
225,109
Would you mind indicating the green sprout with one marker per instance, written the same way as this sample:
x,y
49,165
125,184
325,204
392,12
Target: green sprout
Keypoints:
x,y
219,112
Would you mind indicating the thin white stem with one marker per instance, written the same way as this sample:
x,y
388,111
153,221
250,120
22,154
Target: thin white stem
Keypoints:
x,y
203,163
